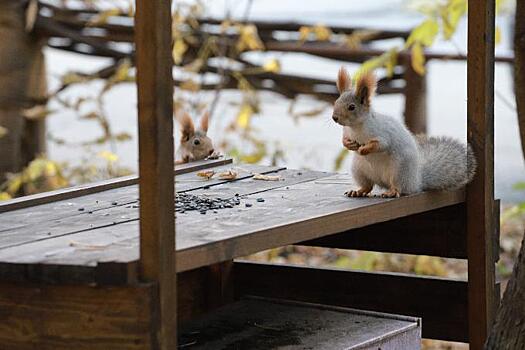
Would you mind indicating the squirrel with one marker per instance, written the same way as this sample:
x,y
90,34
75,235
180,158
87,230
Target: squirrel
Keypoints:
x,y
194,143
388,154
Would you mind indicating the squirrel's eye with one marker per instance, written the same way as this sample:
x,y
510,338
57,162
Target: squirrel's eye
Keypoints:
x,y
351,107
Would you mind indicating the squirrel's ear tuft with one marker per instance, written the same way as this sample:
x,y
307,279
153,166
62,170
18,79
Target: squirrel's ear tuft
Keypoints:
x,y
204,121
187,127
365,88
344,82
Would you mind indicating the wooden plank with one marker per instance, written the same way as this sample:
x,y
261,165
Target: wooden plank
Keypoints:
x,y
440,232
50,221
288,215
480,192
76,317
156,161
114,243
441,303
266,324
96,187
45,215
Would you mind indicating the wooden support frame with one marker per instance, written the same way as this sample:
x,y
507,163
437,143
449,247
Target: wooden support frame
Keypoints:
x,y
480,193
442,303
156,163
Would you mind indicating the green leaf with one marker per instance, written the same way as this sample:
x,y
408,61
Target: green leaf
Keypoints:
x,y
424,34
520,186
451,14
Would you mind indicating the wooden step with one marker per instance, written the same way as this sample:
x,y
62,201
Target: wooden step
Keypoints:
x,y
264,324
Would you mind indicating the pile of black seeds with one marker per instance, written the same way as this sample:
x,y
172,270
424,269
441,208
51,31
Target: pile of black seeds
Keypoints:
x,y
188,202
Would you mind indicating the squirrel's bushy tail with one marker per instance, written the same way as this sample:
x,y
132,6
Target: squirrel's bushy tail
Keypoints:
x,y
446,164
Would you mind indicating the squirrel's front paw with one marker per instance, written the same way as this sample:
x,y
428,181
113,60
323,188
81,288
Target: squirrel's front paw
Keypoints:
x,y
370,147
351,145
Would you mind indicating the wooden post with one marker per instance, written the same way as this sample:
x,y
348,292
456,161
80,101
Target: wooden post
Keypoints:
x,y
415,99
480,193
22,85
157,214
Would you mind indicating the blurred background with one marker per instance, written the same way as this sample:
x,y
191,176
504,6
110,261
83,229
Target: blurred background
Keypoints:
x,y
265,71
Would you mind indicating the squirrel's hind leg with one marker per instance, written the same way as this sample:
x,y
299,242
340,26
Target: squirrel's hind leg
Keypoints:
x,y
365,184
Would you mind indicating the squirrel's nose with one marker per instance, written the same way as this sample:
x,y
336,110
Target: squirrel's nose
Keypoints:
x,y
335,118
196,142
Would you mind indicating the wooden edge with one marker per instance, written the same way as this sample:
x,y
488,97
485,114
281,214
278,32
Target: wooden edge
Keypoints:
x,y
441,303
100,186
315,227
439,232
496,221
76,317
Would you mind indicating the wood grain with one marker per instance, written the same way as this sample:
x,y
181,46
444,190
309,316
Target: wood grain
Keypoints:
x,y
289,214
480,193
97,187
156,161
441,303
75,317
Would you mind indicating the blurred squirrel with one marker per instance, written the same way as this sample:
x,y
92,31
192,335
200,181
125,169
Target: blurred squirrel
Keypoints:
x,y
388,154
194,143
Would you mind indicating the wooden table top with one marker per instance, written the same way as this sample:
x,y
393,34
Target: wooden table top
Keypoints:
x,y
95,236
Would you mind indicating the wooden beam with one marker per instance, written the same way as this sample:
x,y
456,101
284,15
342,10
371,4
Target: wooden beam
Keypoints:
x,y
482,300
439,232
156,161
415,99
442,303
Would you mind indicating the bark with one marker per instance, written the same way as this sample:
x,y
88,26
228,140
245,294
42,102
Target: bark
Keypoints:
x,y
22,85
519,68
508,332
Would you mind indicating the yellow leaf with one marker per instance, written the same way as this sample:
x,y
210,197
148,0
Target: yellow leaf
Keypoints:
x,y
451,15
122,73
103,17
355,39
425,33
194,66
244,116
110,157
340,159
72,78
249,39
391,62
190,85
36,112
3,131
179,49
322,33
4,196
304,32
14,184
418,59
497,38
273,66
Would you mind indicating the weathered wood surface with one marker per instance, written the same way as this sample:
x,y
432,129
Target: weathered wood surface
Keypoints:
x,y
258,323
75,317
303,206
441,303
93,211
96,187
481,225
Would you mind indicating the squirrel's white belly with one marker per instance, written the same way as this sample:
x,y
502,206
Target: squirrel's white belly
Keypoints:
x,y
377,167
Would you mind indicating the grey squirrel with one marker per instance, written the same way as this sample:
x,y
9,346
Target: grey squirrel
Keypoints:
x,y
388,154
195,143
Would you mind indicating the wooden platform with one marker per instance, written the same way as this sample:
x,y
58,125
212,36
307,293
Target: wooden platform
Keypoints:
x,y
265,324
93,238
